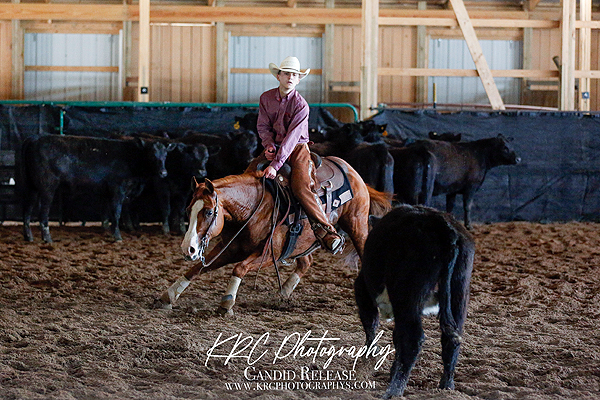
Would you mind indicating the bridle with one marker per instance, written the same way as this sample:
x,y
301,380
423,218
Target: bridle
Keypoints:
x,y
206,238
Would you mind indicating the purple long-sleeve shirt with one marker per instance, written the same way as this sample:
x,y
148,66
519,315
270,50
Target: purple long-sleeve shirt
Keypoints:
x,y
282,121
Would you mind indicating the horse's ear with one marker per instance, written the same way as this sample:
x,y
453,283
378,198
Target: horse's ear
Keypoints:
x,y
195,183
209,186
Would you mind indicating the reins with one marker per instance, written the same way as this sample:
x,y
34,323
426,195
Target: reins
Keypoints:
x,y
205,237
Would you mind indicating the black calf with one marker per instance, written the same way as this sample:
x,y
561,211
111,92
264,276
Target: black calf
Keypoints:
x,y
407,253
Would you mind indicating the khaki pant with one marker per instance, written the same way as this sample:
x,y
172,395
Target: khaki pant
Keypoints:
x,y
303,181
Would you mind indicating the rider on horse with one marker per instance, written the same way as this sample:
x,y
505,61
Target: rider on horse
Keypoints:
x,y
283,128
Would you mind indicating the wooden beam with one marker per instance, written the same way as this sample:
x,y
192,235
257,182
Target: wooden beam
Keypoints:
x,y
313,71
259,15
66,12
587,24
585,48
144,52
567,76
500,73
479,23
477,53
110,28
368,68
70,68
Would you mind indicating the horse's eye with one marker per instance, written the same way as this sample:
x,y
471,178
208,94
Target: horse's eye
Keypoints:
x,y
209,213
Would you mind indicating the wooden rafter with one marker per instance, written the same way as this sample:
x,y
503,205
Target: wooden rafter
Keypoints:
x,y
262,15
477,54
532,4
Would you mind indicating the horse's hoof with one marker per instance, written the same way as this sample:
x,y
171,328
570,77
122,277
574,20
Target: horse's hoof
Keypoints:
x,y
227,302
285,294
224,311
160,305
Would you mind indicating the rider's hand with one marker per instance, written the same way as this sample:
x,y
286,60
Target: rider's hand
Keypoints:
x,y
270,172
270,152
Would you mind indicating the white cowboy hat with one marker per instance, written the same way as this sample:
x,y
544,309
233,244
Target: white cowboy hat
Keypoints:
x,y
290,64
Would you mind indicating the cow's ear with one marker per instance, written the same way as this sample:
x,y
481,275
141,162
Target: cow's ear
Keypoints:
x,y
209,186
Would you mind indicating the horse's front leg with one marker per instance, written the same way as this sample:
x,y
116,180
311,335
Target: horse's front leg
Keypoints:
x,y
170,296
239,271
302,266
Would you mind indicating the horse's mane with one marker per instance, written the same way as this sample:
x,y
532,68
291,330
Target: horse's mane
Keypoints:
x,y
230,180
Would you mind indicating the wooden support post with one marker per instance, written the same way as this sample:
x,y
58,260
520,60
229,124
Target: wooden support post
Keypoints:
x,y
477,53
17,44
422,57
144,52
370,39
585,48
567,70
527,61
328,65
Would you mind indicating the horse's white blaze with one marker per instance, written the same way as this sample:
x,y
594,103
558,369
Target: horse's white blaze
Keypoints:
x,y
191,241
385,307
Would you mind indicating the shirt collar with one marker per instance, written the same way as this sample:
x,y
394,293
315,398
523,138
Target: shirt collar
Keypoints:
x,y
289,96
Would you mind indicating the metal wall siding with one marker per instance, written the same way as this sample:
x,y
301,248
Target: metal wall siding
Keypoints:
x,y
258,52
454,54
70,50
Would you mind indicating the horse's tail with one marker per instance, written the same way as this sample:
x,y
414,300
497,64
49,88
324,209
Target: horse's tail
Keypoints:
x,y
380,203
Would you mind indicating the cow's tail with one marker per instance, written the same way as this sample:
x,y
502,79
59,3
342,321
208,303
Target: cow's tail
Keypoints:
x,y
380,203
448,324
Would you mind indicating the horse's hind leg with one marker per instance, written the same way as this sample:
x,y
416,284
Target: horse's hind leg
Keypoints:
x,y
302,266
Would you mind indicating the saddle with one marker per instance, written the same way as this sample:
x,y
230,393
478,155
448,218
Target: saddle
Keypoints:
x,y
333,190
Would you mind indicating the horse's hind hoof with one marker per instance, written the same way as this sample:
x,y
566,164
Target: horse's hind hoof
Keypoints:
x,y
224,311
159,305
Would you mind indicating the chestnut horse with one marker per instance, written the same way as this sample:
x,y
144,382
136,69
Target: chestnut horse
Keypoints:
x,y
240,210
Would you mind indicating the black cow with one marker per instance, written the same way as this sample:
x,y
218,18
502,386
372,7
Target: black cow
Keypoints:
x,y
413,172
458,168
247,122
371,160
183,162
446,137
237,149
107,167
407,253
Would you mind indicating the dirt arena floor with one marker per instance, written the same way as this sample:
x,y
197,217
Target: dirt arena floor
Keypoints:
x,y
76,322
